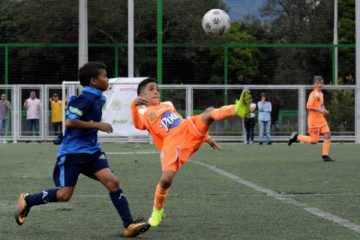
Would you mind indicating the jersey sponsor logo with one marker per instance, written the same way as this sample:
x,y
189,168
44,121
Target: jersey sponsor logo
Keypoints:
x,y
169,120
75,111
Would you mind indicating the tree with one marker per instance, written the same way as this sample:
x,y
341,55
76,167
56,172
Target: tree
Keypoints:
x,y
300,22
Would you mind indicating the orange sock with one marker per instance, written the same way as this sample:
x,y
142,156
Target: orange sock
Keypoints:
x,y
326,147
160,197
222,113
305,139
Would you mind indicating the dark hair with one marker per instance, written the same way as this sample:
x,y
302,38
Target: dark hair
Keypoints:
x,y
143,83
318,78
90,70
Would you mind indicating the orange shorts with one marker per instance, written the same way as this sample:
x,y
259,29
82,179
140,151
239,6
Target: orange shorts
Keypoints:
x,y
315,132
180,146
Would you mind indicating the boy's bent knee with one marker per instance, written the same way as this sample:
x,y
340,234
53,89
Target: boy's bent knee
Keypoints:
x,y
206,115
63,195
165,183
113,184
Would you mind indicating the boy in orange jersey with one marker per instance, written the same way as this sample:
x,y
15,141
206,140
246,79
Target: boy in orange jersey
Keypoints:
x,y
316,120
176,139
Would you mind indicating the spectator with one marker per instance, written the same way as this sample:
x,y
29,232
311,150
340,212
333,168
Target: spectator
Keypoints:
x,y
250,124
5,107
32,105
264,108
56,115
276,106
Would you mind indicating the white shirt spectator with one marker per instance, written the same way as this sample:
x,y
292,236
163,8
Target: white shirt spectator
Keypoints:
x,y
33,108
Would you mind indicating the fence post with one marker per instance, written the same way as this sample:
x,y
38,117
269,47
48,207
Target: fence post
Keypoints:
x,y
189,101
302,114
159,41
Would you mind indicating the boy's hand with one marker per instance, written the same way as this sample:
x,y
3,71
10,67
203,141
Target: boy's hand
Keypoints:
x,y
325,112
214,144
140,101
105,127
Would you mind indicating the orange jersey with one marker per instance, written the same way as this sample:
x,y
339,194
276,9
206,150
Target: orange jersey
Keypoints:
x,y
315,118
162,121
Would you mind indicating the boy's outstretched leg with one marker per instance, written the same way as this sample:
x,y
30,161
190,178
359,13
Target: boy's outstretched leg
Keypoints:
x,y
240,108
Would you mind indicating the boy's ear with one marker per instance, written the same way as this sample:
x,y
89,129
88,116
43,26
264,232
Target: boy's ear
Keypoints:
x,y
93,81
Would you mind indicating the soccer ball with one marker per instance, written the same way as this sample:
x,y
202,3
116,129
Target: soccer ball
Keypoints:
x,y
216,22
252,107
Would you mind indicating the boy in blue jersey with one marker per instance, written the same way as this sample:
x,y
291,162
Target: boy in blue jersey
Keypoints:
x,y
80,153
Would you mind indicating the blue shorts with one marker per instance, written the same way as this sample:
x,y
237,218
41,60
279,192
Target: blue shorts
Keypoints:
x,y
68,167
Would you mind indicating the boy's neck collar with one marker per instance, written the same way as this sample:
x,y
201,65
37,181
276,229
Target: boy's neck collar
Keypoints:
x,y
92,90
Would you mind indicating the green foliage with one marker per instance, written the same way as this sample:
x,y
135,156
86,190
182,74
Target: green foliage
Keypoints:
x,y
283,21
342,111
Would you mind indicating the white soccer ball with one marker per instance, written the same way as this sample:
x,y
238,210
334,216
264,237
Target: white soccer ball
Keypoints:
x,y
216,22
252,107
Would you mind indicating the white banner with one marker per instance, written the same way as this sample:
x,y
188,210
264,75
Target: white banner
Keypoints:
x,y
117,111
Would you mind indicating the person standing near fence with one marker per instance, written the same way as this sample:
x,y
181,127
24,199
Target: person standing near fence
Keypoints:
x,y
264,109
317,123
56,115
249,123
32,106
5,107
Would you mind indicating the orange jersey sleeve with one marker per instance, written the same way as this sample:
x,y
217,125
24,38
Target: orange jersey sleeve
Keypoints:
x,y
137,118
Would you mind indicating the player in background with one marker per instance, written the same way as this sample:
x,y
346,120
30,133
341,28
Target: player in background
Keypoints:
x,y
317,123
80,152
176,139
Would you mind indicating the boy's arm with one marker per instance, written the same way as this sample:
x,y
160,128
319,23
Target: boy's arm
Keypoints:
x,y
76,123
26,104
137,118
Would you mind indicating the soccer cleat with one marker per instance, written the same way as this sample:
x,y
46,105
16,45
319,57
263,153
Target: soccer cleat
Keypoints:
x,y
293,138
156,217
22,210
242,106
137,227
326,158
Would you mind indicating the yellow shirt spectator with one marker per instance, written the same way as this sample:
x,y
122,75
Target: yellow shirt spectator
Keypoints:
x,y
56,108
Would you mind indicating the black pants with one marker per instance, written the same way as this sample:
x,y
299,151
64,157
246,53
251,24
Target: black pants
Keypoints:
x,y
249,127
32,127
57,129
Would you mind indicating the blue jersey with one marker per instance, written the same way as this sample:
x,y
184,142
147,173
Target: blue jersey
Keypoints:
x,y
86,107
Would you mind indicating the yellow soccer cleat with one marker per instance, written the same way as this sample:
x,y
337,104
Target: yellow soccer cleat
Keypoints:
x,y
242,106
137,227
156,217
22,210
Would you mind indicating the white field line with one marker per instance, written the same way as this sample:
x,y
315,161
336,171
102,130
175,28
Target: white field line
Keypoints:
x,y
315,211
130,153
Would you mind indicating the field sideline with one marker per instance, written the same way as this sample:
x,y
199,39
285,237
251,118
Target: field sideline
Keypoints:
x,y
245,192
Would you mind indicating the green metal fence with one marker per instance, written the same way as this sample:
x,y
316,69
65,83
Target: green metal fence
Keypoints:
x,y
171,63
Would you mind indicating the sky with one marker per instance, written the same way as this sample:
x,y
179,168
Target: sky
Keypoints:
x,y
241,8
